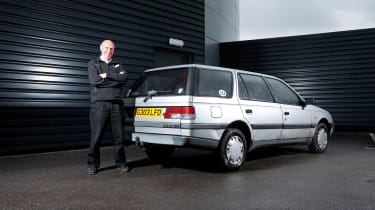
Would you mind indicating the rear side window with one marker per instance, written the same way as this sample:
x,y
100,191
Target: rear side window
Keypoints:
x,y
254,88
166,82
214,83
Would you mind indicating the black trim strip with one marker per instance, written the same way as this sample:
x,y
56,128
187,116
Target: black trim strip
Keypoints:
x,y
283,126
291,126
203,126
219,126
267,126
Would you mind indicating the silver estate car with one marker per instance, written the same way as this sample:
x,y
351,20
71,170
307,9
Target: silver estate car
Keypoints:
x,y
226,110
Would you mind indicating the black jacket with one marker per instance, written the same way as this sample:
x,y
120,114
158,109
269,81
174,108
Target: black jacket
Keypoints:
x,y
110,88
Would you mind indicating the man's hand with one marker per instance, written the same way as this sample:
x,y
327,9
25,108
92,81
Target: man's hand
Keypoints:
x,y
103,75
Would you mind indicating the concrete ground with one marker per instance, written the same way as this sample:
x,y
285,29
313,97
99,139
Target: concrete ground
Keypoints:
x,y
272,178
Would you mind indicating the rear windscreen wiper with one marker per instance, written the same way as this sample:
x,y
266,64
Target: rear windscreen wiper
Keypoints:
x,y
151,93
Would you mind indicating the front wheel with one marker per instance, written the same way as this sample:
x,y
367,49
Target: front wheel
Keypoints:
x,y
232,150
319,142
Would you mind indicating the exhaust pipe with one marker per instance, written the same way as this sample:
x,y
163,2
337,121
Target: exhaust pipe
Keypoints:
x,y
138,142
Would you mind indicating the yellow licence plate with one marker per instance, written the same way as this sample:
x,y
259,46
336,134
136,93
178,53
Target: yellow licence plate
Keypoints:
x,y
148,112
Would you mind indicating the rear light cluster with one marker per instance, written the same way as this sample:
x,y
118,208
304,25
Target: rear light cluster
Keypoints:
x,y
180,112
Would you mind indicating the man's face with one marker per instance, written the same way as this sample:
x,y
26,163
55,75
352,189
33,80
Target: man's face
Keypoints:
x,y
107,48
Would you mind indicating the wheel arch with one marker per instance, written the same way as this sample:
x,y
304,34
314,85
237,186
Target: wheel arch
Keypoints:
x,y
326,122
244,128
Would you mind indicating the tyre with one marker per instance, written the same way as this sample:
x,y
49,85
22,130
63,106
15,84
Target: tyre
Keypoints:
x,y
159,152
319,142
232,150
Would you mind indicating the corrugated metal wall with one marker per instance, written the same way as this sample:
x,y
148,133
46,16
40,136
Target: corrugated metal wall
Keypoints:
x,y
44,50
337,69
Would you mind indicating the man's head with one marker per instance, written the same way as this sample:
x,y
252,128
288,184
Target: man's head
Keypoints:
x,y
107,48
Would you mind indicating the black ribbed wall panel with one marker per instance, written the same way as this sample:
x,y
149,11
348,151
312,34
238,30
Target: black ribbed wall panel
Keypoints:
x,y
44,50
337,69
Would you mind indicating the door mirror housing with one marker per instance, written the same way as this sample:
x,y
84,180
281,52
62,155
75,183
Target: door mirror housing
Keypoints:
x,y
310,101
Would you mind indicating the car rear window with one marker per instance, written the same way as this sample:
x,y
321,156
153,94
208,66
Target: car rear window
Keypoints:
x,y
165,82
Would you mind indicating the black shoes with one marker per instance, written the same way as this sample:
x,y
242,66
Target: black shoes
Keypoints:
x,y
92,171
123,169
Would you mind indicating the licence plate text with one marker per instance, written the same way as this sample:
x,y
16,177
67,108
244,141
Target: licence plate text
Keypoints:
x,y
148,112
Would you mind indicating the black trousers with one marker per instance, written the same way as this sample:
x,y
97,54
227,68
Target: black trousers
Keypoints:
x,y
103,113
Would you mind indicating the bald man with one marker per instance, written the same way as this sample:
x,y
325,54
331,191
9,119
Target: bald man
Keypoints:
x,y
107,78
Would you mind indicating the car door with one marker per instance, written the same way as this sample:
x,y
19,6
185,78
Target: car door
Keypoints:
x,y
296,119
259,109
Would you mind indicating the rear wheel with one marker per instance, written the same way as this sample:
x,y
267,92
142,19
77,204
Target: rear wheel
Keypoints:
x,y
159,152
232,150
319,142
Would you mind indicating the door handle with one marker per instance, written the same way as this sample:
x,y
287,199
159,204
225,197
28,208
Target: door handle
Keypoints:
x,y
249,111
286,113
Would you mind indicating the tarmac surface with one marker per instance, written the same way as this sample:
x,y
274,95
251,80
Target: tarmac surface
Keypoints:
x,y
286,177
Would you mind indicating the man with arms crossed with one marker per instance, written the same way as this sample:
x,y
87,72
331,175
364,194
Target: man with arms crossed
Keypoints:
x,y
107,78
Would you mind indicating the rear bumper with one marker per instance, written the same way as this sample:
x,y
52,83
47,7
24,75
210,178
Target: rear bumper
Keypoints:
x,y
173,140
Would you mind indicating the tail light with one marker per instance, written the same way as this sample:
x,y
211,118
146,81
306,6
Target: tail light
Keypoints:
x,y
180,112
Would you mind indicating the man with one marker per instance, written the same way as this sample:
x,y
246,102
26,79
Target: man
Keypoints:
x,y
107,78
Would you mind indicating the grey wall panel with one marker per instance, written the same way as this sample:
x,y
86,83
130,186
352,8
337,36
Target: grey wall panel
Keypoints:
x,y
337,69
44,49
222,25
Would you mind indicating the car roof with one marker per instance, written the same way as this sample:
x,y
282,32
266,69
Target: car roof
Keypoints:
x,y
209,67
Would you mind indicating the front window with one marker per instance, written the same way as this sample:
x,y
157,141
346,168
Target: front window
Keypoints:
x,y
282,93
167,82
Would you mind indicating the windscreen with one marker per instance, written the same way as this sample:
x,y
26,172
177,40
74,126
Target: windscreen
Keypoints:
x,y
163,82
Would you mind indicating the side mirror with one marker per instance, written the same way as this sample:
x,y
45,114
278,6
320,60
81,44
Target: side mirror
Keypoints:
x,y
310,100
